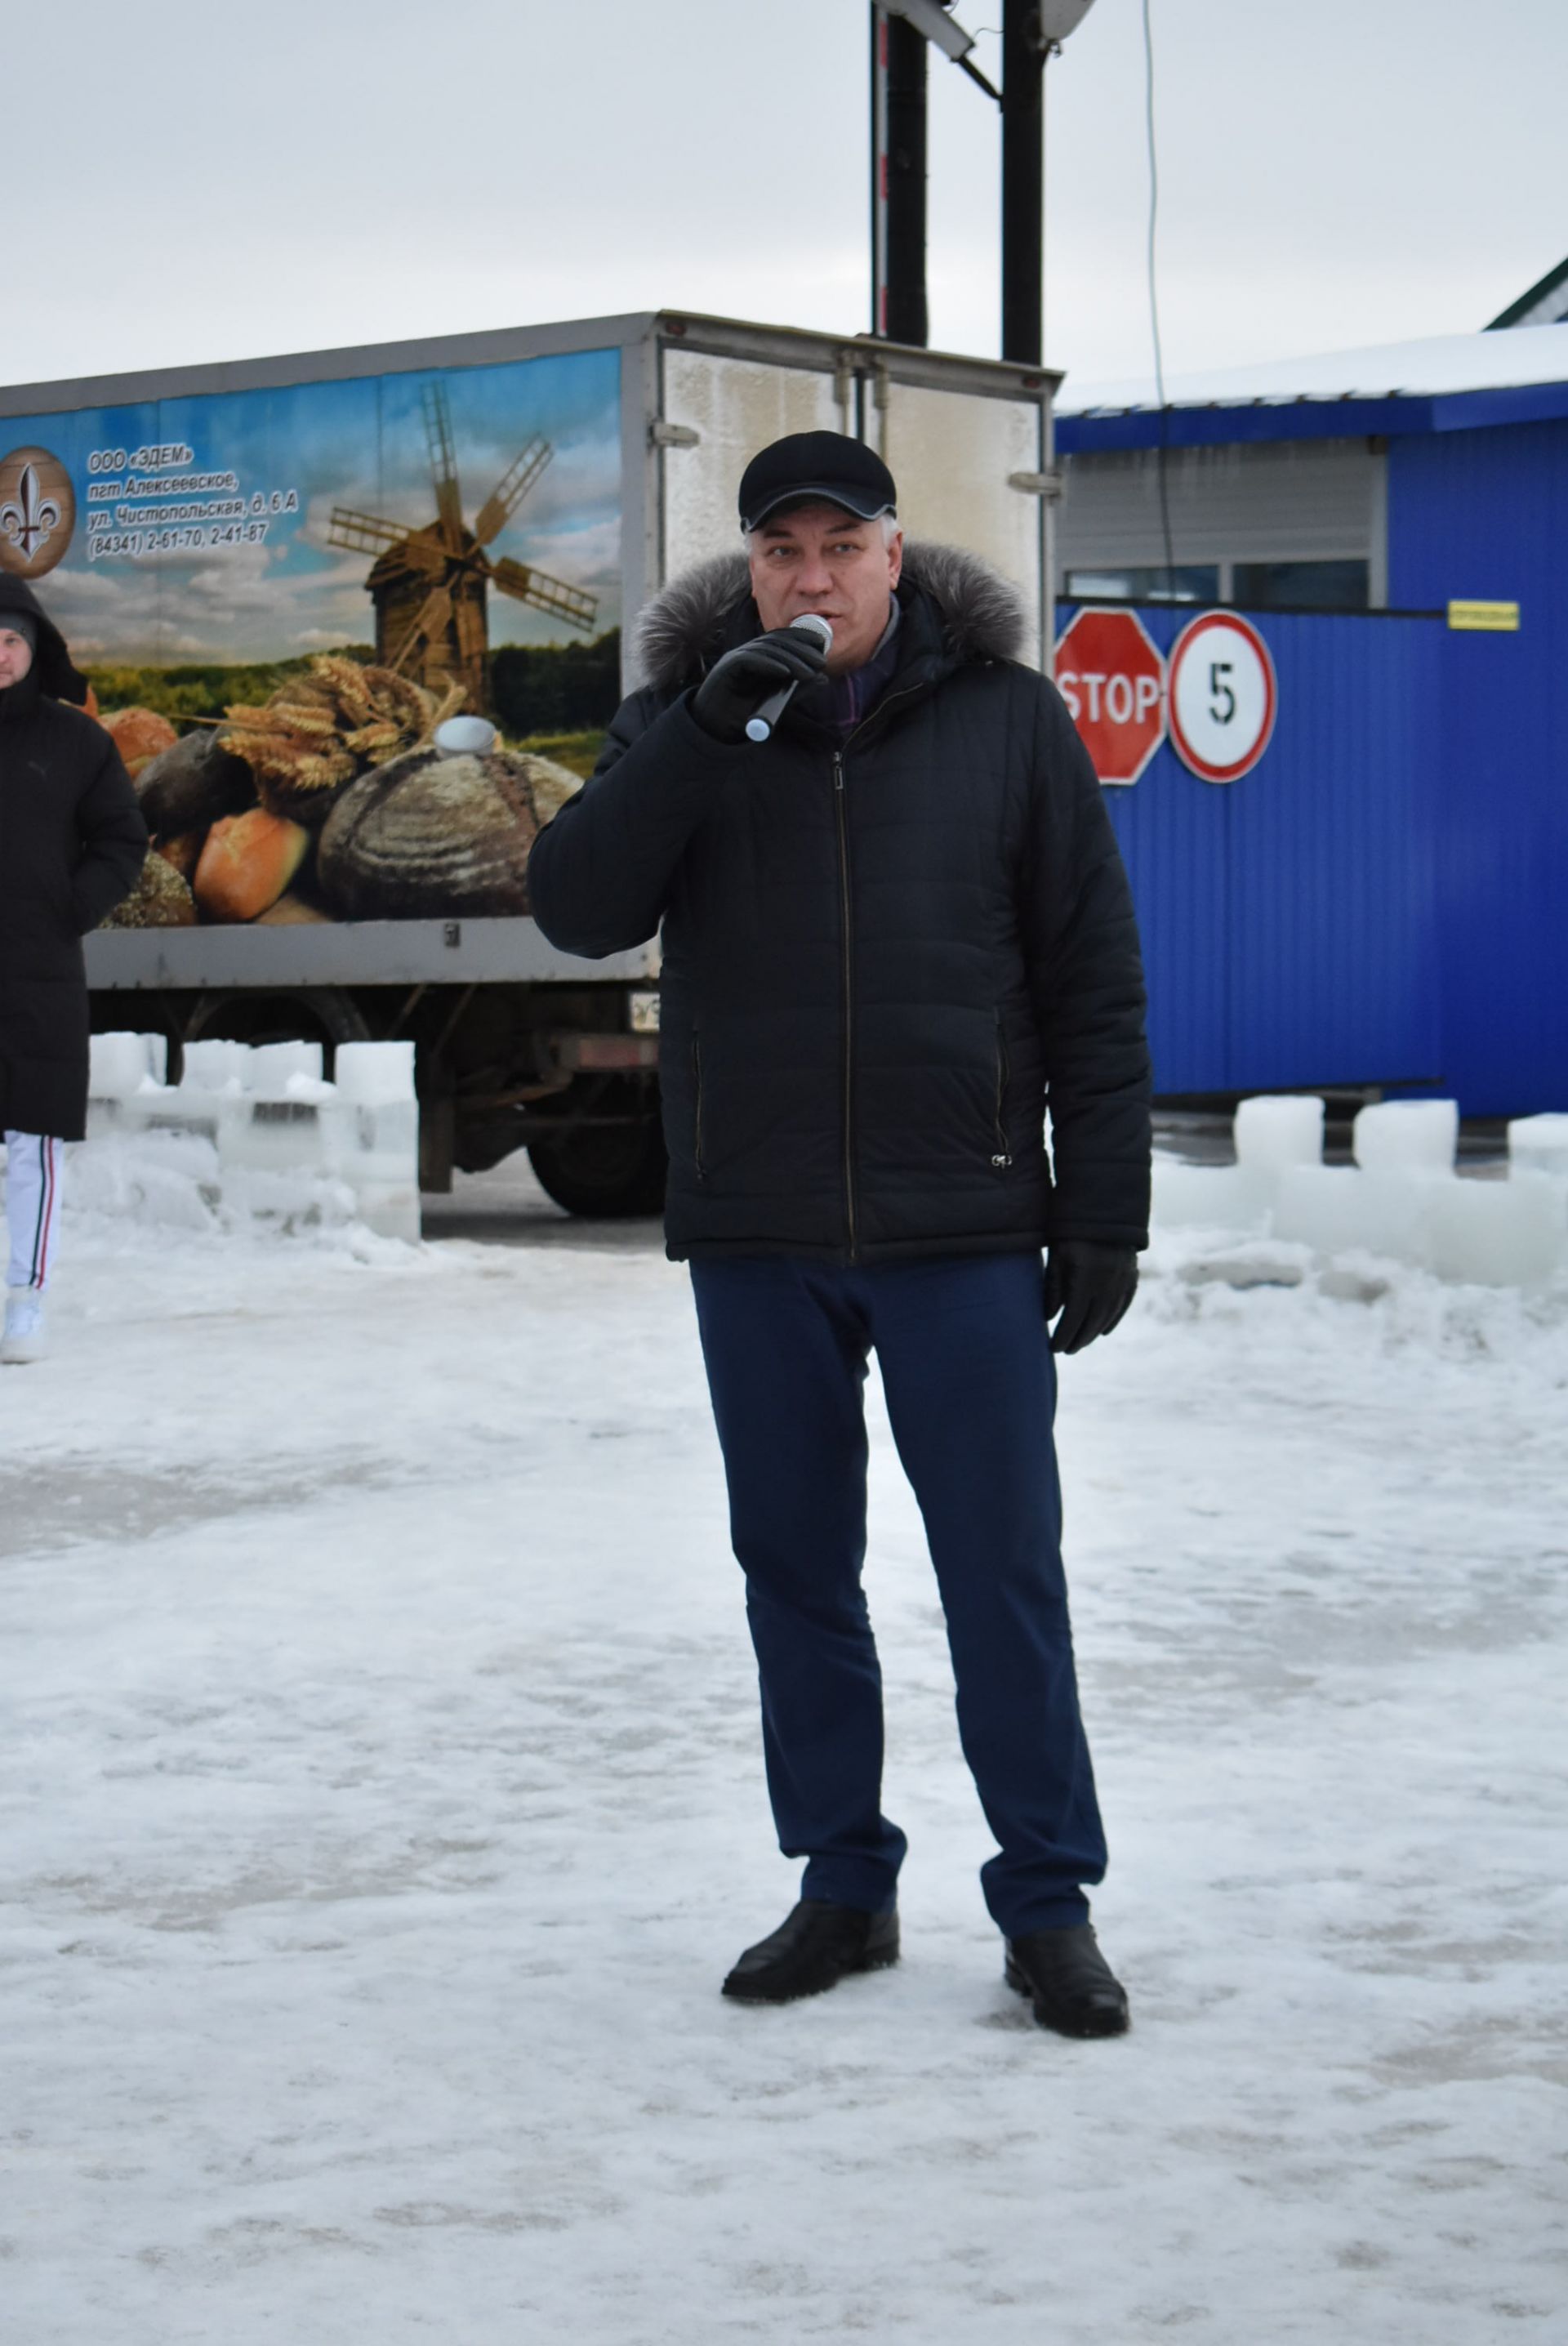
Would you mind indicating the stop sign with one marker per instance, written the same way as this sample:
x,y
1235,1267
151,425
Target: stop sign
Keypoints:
x,y
1113,682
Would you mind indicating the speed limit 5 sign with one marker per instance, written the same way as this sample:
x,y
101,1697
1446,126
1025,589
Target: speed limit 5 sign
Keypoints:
x,y
1223,697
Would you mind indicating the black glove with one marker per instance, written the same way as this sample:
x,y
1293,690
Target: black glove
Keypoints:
x,y
736,686
1091,1286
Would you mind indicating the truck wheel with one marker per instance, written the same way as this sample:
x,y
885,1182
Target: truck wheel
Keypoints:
x,y
308,1014
604,1171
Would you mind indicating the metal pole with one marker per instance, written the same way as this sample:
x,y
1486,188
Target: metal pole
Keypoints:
x,y
879,172
899,62
1024,53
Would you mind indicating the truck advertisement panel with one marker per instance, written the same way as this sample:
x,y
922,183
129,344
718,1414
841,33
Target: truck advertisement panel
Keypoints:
x,y
277,595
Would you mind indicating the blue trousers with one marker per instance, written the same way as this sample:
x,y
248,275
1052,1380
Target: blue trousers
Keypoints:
x,y
970,1388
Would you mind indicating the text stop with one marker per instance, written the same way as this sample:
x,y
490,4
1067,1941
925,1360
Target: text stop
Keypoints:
x,y
1113,680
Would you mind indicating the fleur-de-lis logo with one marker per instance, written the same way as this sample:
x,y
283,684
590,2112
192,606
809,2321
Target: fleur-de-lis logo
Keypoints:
x,y
30,522
37,511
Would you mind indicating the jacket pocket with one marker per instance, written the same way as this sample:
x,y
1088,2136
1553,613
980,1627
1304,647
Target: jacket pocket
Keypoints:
x,y
699,1167
1001,1154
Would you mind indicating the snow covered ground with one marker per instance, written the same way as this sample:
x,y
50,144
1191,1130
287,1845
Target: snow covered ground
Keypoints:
x,y
383,1806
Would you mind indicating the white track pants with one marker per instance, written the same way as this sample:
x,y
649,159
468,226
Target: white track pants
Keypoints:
x,y
34,1165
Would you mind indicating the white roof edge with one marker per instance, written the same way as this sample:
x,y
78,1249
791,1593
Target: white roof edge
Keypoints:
x,y
1445,364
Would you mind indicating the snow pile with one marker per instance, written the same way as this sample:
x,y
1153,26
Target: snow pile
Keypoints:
x,y
252,1135
1402,1201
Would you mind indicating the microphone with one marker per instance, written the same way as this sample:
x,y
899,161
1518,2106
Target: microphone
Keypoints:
x,y
761,726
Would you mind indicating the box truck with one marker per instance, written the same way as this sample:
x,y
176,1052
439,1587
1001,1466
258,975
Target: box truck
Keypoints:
x,y
480,518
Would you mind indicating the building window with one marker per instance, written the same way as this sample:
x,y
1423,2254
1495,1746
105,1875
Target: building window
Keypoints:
x,y
1302,586
1187,582
1343,584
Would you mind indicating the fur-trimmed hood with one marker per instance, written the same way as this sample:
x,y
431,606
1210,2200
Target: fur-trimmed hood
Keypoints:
x,y
981,613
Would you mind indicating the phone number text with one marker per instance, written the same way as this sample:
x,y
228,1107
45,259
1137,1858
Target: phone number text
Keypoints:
x,y
108,544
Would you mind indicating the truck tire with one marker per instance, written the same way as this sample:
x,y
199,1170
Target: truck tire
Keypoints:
x,y
604,1172
308,1014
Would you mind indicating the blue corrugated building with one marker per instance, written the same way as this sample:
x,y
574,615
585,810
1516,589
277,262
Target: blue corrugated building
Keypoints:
x,y
1383,900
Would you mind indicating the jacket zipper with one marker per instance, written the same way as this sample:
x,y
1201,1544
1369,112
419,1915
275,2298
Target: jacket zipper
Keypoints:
x,y
881,710
700,1169
848,997
1003,1156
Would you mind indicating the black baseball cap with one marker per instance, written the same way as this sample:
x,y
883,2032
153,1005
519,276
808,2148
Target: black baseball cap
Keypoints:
x,y
808,467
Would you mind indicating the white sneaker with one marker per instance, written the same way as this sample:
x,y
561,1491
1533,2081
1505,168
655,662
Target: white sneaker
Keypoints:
x,y
26,1336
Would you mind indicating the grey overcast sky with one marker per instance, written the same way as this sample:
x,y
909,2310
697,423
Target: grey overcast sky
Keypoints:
x,y
193,182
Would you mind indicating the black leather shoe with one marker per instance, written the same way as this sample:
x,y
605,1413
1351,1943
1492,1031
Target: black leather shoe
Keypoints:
x,y
813,1949
1069,1982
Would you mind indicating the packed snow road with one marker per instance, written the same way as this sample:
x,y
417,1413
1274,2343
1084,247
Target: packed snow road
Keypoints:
x,y
383,1806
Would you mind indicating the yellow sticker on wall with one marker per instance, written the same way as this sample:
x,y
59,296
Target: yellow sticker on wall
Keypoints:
x,y
1489,618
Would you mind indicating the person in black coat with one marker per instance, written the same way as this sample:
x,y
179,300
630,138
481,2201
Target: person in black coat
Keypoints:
x,y
895,935
72,842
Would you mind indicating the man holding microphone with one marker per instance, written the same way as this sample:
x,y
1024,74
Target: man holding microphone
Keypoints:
x,y
896,929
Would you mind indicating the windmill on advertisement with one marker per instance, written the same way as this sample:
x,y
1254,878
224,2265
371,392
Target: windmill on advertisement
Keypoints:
x,y
429,586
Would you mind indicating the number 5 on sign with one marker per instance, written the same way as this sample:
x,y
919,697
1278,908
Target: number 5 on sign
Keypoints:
x,y
1223,697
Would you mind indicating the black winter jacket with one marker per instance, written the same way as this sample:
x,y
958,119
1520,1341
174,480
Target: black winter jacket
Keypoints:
x,y
71,840
882,958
